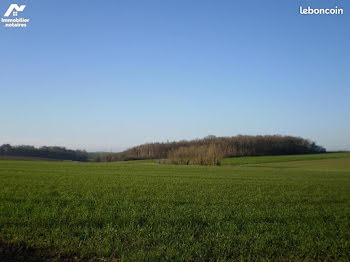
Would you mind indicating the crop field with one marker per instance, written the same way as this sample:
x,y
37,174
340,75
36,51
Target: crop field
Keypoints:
x,y
256,209
276,159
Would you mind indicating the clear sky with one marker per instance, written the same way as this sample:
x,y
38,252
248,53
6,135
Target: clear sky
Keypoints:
x,y
107,75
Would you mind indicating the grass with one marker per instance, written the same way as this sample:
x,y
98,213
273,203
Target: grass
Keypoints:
x,y
139,211
27,158
286,158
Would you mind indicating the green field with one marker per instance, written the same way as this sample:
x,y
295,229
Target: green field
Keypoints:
x,y
276,159
138,211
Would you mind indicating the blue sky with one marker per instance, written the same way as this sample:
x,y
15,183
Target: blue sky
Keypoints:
x,y
107,75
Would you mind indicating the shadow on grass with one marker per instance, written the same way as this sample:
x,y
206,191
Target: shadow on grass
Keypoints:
x,y
10,251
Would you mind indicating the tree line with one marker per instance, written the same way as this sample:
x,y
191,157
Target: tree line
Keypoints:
x,y
52,152
209,150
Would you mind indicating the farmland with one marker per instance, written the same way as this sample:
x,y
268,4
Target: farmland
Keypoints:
x,y
283,158
250,208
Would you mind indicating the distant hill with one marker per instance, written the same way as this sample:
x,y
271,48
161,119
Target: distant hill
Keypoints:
x,y
28,158
92,156
211,149
45,152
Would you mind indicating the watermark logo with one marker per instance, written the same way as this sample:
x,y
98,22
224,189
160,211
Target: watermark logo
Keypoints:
x,y
17,22
321,11
14,9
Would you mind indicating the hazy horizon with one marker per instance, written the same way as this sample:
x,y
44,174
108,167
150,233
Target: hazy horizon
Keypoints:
x,y
119,148
110,75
